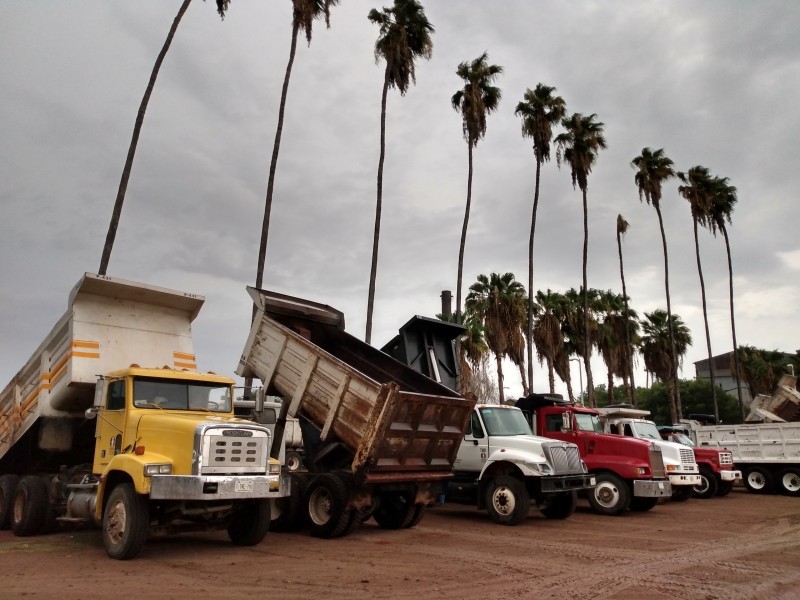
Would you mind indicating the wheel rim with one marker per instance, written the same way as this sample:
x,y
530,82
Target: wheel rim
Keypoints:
x,y
319,506
791,482
293,463
115,522
756,480
503,500
703,486
607,494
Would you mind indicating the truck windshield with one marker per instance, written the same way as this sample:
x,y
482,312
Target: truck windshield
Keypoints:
x,y
175,394
588,422
682,439
647,431
505,421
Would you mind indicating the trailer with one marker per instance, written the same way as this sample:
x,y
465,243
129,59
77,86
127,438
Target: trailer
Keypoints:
x,y
150,445
378,436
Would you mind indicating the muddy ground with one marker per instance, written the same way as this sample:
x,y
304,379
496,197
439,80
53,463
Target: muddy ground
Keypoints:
x,y
741,546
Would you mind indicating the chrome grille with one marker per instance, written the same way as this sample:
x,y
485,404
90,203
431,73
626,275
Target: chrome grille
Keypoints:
x,y
725,458
687,456
657,462
564,457
234,450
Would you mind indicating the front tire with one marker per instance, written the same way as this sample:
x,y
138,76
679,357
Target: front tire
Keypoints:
x,y
611,496
31,507
708,486
758,480
789,482
394,511
250,523
126,522
561,505
286,514
724,488
507,500
8,489
681,493
293,461
326,506
640,504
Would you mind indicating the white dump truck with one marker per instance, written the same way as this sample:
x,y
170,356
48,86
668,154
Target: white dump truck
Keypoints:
x,y
768,454
109,423
679,460
378,437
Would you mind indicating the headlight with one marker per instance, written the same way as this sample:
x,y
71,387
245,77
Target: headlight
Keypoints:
x,y
673,468
158,469
641,470
274,467
543,468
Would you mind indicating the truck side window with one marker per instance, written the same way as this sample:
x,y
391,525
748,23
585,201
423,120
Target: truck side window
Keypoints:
x,y
475,428
628,430
554,422
116,395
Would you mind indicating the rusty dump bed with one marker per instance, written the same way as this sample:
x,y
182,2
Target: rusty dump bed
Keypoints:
x,y
399,424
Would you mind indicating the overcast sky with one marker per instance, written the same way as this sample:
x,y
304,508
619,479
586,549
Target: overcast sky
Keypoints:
x,y
715,83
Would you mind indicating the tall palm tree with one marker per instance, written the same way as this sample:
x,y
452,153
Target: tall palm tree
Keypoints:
x,y
405,35
721,209
579,146
222,7
696,188
622,228
611,340
549,338
664,336
475,101
498,302
304,12
653,168
472,353
540,110
576,322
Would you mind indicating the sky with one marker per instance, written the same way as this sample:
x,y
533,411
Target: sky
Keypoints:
x,y
714,82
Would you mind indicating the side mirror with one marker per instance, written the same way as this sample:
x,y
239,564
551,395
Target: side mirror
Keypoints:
x,y
566,421
260,397
91,412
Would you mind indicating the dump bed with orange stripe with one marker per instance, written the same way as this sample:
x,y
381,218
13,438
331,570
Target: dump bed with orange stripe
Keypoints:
x,y
109,325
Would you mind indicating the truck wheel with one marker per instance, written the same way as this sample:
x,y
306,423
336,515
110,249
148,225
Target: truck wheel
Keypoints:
x,y
126,522
611,496
724,488
326,506
31,507
561,506
293,461
507,500
250,523
419,512
8,488
287,513
707,488
789,482
639,504
758,480
394,511
681,493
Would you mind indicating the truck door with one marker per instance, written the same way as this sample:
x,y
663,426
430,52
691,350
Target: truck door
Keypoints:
x,y
110,424
474,449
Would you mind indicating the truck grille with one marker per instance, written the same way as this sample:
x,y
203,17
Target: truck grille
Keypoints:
x,y
234,450
687,456
725,458
565,458
657,462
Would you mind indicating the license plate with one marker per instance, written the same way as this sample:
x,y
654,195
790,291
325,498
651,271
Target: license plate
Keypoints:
x,y
243,486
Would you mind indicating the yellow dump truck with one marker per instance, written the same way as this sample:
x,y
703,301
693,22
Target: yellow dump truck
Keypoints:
x,y
110,423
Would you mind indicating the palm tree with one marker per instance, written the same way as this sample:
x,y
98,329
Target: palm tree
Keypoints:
x,y
575,325
612,328
653,168
539,110
304,12
622,228
405,35
579,146
697,190
549,338
498,302
222,6
475,101
664,336
472,352
721,209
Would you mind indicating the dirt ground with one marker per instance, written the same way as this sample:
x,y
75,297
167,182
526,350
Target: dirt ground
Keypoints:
x,y
741,546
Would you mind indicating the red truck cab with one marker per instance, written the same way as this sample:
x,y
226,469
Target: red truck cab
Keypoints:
x,y
629,472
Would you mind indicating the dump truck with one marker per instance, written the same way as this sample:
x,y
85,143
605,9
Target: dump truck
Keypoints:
x,y
150,445
378,437
679,460
783,405
768,454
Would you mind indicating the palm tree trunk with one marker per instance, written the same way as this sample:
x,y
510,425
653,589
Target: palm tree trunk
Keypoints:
x,y
705,322
499,360
464,236
377,234
628,345
733,322
262,250
525,390
675,398
137,128
587,346
530,273
570,393
551,376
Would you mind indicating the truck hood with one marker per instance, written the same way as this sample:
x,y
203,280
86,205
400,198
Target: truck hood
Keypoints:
x,y
519,444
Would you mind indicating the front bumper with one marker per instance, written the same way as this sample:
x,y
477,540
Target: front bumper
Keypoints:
x,y
677,479
218,487
649,488
730,475
566,483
